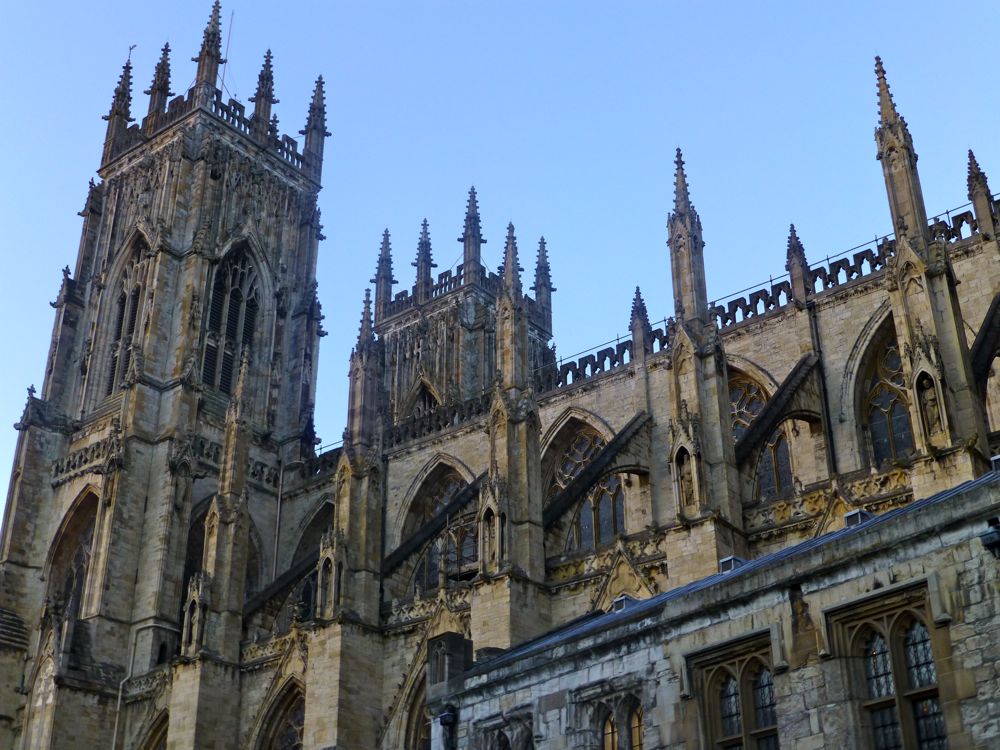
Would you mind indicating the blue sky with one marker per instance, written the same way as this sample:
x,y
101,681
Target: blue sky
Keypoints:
x,y
565,116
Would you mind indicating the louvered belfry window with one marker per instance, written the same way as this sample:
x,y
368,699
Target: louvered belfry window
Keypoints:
x,y
232,321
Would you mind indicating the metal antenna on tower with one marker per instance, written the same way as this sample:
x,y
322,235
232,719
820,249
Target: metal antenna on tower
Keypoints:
x,y
225,55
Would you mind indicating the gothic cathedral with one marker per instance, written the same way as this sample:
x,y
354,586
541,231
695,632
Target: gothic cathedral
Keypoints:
x,y
771,522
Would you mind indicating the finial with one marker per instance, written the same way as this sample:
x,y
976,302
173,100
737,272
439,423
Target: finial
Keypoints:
x,y
424,258
210,56
543,273
316,120
639,313
121,102
886,106
977,177
383,268
365,333
473,228
795,249
511,267
265,84
31,391
682,201
159,89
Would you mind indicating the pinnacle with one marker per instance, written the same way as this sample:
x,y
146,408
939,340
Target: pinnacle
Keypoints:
x,y
543,272
121,102
211,42
886,106
161,74
316,120
639,312
511,267
265,81
424,262
977,177
384,266
365,332
682,201
795,249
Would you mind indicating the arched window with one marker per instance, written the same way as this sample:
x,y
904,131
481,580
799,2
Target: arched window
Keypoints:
x,y
232,320
418,722
455,550
635,728
70,563
738,699
901,695
157,737
127,303
286,724
774,467
609,733
746,400
600,515
885,404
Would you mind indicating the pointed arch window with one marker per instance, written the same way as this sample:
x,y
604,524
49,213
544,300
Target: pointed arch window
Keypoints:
x,y
600,516
901,695
635,728
774,467
287,723
454,552
609,733
885,405
232,320
127,304
737,697
746,401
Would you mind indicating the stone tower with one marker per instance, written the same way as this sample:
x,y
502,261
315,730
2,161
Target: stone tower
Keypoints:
x,y
180,381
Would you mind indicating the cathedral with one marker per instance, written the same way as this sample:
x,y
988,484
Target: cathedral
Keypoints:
x,y
768,523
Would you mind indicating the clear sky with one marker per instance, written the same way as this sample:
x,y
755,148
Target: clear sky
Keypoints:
x,y
565,115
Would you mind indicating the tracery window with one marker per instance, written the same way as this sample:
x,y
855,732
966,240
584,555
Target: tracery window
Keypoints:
x,y
747,399
232,321
911,708
600,516
454,552
287,724
736,696
126,314
891,652
774,467
635,728
886,405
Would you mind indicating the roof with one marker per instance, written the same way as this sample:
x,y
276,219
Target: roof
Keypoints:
x,y
600,621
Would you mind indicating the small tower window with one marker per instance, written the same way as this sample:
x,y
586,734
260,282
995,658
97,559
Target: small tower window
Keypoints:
x,y
232,321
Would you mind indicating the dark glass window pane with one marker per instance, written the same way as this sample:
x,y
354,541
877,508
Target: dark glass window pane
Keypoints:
x,y
783,475
765,476
878,670
605,518
931,734
586,526
878,428
885,729
233,316
919,660
763,700
208,366
901,434
768,743
729,708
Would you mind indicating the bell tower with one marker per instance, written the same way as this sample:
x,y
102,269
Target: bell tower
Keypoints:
x,y
181,377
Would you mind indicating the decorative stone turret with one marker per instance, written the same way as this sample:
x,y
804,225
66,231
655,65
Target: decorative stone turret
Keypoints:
x,y
315,133
543,285
424,264
209,59
472,242
119,116
158,91
797,267
982,199
263,99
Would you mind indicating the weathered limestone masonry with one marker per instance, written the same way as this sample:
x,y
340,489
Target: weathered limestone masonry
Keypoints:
x,y
751,525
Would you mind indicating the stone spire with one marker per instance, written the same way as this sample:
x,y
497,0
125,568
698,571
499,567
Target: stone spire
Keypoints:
x,y
797,266
642,331
472,241
687,263
366,332
383,280
511,268
159,90
982,199
682,200
120,114
899,164
315,132
424,263
209,57
263,98
543,284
